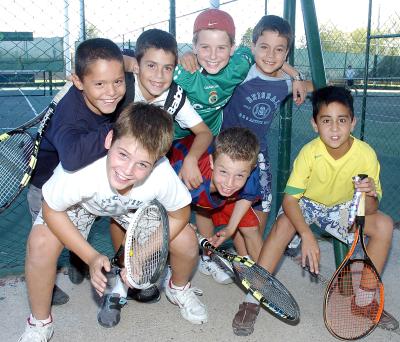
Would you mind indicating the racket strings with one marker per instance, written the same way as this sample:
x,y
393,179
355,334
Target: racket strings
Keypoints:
x,y
276,296
15,155
353,302
146,247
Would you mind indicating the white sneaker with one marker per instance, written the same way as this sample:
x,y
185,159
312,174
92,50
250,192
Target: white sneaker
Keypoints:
x,y
37,332
192,309
210,267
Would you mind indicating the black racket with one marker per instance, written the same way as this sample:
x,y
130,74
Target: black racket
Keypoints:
x,y
19,150
264,287
146,245
354,297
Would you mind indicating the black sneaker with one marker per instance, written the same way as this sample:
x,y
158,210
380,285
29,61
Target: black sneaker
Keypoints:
x,y
149,295
77,270
110,312
59,297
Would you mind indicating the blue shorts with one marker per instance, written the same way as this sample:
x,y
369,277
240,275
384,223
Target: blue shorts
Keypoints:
x,y
333,220
265,183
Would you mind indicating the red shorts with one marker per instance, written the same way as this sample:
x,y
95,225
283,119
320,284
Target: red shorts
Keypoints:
x,y
222,215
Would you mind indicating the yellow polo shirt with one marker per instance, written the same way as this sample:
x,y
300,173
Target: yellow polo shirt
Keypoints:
x,y
321,178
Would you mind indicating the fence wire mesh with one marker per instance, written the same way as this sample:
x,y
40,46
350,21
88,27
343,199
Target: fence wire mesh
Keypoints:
x,y
38,41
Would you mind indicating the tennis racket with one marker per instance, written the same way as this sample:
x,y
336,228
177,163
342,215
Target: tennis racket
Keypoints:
x,y
354,297
264,287
146,245
19,150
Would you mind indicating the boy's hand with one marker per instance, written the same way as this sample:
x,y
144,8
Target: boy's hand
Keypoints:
x,y
218,238
97,277
190,173
310,250
366,185
189,62
299,91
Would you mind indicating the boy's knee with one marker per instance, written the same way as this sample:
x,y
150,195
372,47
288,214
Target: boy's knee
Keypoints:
x,y
384,225
42,243
283,226
185,243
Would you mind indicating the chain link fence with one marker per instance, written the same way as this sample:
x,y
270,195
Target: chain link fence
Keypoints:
x,y
38,41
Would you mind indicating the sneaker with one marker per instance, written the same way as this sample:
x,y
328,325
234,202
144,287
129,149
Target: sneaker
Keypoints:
x,y
77,270
37,332
387,321
59,297
192,309
245,318
210,267
149,295
110,312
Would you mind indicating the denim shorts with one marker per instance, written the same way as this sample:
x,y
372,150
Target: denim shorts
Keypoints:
x,y
333,220
265,183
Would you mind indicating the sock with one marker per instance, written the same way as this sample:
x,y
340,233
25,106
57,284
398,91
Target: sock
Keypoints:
x,y
180,288
364,297
120,288
250,299
42,322
205,258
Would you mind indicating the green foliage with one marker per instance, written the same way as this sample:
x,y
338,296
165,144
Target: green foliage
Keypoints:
x,y
246,38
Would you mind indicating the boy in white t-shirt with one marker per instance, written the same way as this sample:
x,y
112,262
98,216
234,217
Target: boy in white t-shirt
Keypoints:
x,y
133,172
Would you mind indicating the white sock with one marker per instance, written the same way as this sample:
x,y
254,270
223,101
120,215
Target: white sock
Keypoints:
x,y
120,288
205,258
250,299
180,288
364,297
42,322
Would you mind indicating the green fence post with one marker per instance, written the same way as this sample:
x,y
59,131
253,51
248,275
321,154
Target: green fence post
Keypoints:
x,y
319,80
285,120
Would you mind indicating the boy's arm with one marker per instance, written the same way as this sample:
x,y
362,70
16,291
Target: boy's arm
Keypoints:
x,y
190,172
240,209
131,64
300,88
309,245
178,220
62,227
189,62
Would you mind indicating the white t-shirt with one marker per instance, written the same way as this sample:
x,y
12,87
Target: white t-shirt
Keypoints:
x,y
89,187
186,117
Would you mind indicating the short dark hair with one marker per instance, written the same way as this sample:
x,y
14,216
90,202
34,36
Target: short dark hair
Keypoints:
x,y
275,24
329,94
91,50
157,39
150,125
238,143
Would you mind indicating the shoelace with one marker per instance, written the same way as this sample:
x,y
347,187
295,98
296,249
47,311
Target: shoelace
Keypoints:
x,y
189,296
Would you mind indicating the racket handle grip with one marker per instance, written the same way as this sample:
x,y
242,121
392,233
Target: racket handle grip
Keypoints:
x,y
356,200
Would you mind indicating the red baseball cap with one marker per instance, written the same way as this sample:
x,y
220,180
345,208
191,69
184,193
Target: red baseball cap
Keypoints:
x,y
214,19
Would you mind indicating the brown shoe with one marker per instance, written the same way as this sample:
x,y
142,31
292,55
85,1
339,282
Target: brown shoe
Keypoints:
x,y
245,318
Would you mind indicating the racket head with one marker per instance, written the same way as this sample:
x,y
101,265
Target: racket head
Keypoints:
x,y
18,153
16,149
343,318
267,289
264,287
146,245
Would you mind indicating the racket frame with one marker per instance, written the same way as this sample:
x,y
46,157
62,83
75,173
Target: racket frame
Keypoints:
x,y
43,118
222,254
347,261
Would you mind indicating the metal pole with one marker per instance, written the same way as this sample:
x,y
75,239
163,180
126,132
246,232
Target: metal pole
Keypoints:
x,y
172,17
266,7
285,120
367,48
214,3
67,53
82,33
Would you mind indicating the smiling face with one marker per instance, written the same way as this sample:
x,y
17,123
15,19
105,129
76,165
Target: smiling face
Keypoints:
x,y
156,69
128,163
229,176
102,86
270,52
334,126
213,49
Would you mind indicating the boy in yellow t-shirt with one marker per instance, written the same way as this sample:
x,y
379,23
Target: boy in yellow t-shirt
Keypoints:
x,y
320,190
